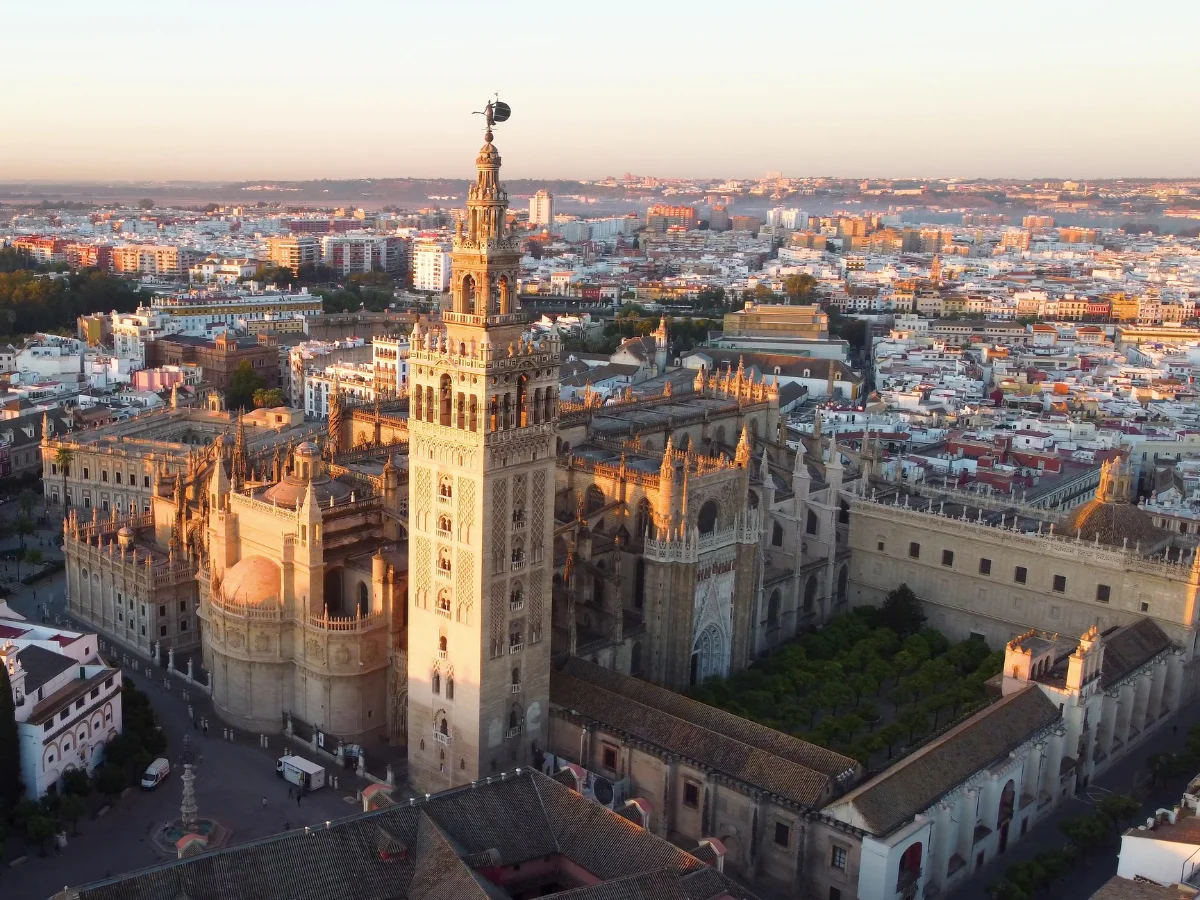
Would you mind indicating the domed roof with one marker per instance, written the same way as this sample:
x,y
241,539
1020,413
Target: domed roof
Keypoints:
x,y
1114,523
253,580
290,491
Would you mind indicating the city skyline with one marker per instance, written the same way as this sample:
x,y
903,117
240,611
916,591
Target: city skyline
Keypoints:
x,y
294,93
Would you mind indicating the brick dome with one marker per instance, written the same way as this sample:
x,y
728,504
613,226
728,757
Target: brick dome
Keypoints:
x,y
253,581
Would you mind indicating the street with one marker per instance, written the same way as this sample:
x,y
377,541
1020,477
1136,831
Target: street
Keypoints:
x,y
232,778
1084,880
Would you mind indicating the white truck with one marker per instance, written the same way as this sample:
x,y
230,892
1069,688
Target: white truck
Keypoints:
x,y
299,771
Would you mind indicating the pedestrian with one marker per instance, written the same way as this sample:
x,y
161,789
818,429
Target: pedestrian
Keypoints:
x,y
206,727
297,798
264,802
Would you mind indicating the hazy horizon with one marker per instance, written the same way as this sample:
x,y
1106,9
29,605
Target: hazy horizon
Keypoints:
x,y
269,91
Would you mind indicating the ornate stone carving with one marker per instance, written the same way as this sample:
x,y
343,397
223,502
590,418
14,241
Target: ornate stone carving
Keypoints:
x,y
500,514
314,651
341,655
237,640
262,642
537,513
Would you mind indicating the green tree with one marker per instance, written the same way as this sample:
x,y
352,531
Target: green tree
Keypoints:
x,y
33,557
110,780
24,528
77,782
145,203
38,830
71,810
835,695
268,274
268,398
26,502
63,457
1118,808
891,735
10,749
901,611
242,384
914,721
800,288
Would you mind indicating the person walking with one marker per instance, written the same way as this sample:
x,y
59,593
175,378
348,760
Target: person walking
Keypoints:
x,y
264,802
298,795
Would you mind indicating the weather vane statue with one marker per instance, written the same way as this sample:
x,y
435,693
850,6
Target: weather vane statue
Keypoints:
x,y
495,111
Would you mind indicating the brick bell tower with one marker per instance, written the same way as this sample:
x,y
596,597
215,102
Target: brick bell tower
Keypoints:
x,y
483,414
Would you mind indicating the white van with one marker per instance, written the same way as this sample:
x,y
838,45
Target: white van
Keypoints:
x,y
156,773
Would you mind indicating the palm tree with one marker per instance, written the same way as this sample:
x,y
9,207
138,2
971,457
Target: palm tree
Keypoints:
x,y
63,457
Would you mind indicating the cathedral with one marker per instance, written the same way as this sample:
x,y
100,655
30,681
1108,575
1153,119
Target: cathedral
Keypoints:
x,y
418,570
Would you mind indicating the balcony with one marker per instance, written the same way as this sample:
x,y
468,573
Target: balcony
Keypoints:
x,y
515,648
446,499
518,518
441,738
443,573
516,605
518,563
444,533
514,731
442,654
443,611
516,689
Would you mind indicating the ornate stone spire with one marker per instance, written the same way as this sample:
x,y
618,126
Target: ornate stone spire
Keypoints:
x,y
189,812
239,454
744,449
333,431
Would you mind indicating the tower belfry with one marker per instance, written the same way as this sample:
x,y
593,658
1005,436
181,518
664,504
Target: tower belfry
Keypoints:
x,y
483,412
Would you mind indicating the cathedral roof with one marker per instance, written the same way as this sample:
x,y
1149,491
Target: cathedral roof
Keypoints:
x,y
253,580
451,841
751,753
1112,523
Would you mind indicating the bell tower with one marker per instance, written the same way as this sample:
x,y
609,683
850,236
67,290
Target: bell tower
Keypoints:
x,y
482,422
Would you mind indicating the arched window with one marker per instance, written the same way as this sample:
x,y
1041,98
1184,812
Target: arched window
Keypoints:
x,y
437,682
639,583
843,512
443,727
443,644
593,500
468,295
504,295
444,559
513,720
810,593
364,599
443,601
548,406
1007,798
449,687
752,499
719,434
535,407
843,583
445,526
473,417
812,526
707,520
446,487
773,609
776,534
516,675
507,412
522,411
429,408
446,396
462,411
685,441
644,518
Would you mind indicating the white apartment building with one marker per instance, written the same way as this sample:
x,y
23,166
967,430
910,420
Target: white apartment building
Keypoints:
x,y
431,265
350,253
196,312
223,270
389,357
131,331
541,208
352,381
68,703
318,354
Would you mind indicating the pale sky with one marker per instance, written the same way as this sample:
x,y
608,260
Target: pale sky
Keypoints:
x,y
259,89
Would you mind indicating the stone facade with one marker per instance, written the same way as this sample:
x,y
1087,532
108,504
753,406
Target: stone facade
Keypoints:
x,y
482,425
